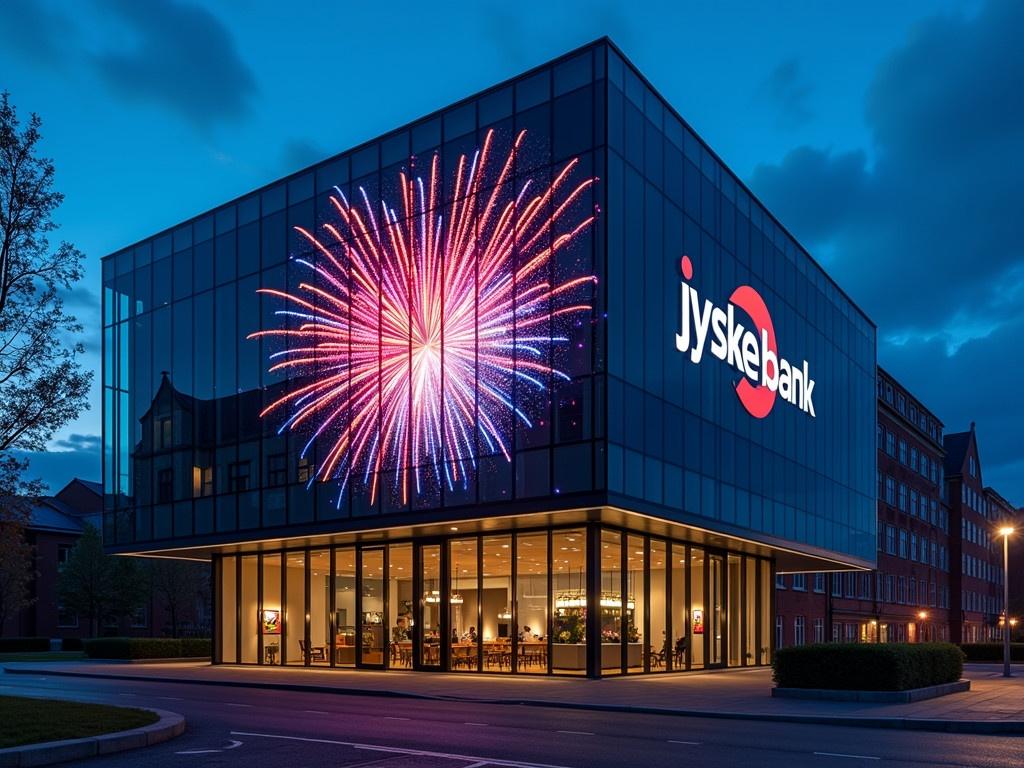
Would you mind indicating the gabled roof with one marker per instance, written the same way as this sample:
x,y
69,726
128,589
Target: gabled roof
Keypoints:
x,y
47,516
92,485
956,445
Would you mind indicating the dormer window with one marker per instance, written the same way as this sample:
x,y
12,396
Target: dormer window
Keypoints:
x,y
163,432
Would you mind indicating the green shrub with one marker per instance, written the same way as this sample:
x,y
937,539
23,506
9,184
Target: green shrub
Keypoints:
x,y
192,647
991,651
132,648
867,666
71,644
146,647
24,644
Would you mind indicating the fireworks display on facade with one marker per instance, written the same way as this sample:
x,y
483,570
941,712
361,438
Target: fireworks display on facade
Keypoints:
x,y
414,329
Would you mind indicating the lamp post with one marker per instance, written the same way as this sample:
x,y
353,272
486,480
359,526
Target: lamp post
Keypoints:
x,y
922,616
1006,531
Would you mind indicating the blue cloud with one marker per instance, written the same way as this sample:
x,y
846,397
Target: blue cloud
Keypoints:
x,y
926,235
183,58
787,89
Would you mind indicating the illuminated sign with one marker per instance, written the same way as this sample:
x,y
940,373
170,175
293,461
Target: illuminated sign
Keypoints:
x,y
753,352
422,328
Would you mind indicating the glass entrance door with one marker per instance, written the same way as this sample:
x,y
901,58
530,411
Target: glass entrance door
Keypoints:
x,y
427,631
716,598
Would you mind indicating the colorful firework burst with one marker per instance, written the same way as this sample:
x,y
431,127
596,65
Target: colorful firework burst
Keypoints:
x,y
415,326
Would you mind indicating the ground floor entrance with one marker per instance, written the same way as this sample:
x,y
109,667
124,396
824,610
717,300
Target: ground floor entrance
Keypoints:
x,y
586,600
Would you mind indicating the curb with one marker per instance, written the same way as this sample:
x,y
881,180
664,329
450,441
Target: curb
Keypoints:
x,y
170,725
874,697
989,727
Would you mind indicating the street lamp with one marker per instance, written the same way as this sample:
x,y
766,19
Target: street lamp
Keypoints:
x,y
1006,532
921,615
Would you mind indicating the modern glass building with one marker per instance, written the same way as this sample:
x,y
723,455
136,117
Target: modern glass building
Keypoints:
x,y
530,385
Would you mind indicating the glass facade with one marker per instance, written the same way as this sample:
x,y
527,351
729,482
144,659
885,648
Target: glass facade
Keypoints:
x,y
473,318
443,308
680,443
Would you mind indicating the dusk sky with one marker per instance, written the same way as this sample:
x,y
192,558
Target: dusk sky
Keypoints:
x,y
887,136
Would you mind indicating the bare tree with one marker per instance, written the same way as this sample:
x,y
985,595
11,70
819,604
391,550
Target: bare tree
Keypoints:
x,y
179,584
42,384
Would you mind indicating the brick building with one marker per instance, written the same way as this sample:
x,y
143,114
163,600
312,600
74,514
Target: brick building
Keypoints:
x,y
54,527
1001,512
907,598
1016,576
975,586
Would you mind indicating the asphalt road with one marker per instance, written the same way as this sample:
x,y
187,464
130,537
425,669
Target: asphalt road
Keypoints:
x,y
257,728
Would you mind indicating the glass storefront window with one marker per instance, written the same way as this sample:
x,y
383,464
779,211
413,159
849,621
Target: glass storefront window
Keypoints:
x,y
429,632
464,605
531,608
272,619
698,612
295,613
319,607
569,590
766,587
680,628
611,602
633,604
372,606
251,622
716,598
400,605
345,607
734,622
750,651
496,604
227,604
659,643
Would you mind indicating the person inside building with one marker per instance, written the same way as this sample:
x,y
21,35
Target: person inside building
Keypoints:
x,y
470,635
525,633
400,631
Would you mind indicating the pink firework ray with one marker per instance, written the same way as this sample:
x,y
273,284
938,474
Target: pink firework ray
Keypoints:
x,y
413,330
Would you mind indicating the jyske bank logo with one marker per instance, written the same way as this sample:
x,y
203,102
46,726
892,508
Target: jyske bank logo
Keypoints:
x,y
754,352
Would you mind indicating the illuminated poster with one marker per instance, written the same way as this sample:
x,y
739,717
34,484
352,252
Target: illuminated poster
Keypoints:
x,y
271,622
422,326
698,621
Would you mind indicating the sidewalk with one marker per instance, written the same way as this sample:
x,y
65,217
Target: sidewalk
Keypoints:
x,y
993,705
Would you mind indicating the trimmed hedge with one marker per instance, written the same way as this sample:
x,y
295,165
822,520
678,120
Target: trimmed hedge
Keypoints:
x,y
24,644
145,648
991,651
867,666
71,644
192,647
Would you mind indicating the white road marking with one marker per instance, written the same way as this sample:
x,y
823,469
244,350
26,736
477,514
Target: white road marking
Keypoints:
x,y
126,694
232,744
474,759
480,724
232,704
577,733
315,712
389,717
170,698
853,757
675,741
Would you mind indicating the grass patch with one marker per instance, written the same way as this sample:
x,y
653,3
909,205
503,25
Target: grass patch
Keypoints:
x,y
43,656
30,721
